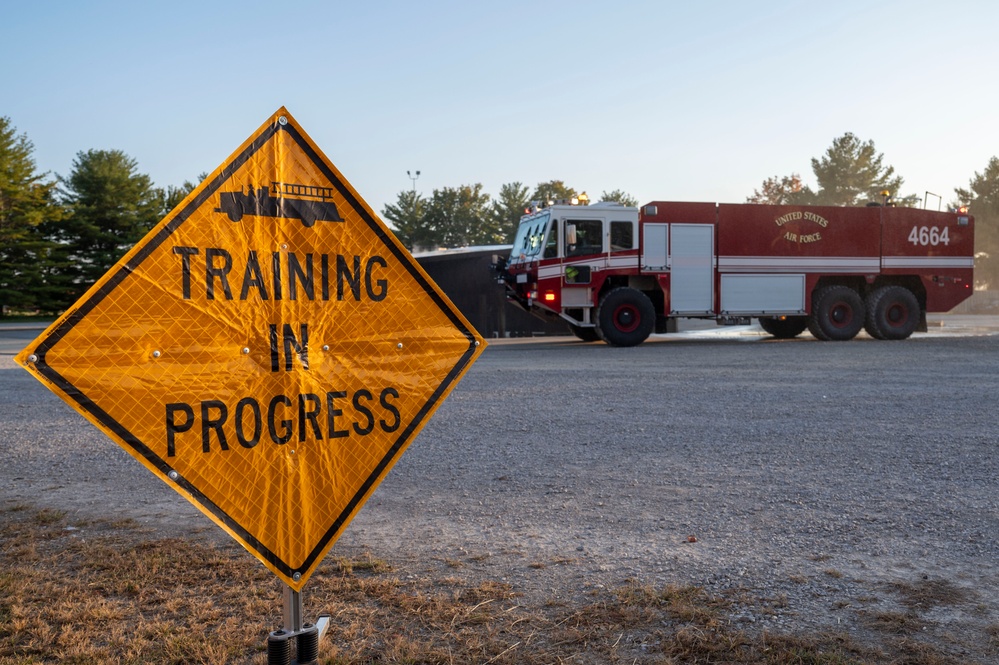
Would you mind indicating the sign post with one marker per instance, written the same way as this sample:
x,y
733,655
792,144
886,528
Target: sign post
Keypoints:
x,y
268,350
306,635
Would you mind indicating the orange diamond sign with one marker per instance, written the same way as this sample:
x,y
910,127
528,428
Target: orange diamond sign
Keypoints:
x,y
268,350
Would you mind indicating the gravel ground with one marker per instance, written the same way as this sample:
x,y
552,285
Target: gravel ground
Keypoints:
x,y
833,485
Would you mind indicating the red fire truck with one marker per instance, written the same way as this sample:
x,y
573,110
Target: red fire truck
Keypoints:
x,y
620,273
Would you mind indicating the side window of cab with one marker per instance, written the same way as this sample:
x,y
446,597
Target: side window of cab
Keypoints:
x,y
551,246
589,237
622,236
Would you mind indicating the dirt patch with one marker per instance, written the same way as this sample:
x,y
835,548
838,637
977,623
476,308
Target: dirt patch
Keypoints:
x,y
102,592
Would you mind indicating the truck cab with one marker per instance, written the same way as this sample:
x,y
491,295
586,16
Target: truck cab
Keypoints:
x,y
564,256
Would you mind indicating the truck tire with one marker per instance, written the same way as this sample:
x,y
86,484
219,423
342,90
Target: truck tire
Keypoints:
x,y
837,313
625,317
585,334
783,328
892,313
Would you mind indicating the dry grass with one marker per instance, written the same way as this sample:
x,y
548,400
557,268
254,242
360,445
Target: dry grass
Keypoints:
x,y
928,593
104,593
117,598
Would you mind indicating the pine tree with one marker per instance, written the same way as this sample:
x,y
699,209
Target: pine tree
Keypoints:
x,y
982,198
26,201
110,206
507,210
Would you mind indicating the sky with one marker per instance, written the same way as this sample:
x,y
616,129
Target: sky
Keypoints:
x,y
685,101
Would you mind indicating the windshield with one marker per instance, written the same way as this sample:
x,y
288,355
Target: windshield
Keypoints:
x,y
530,238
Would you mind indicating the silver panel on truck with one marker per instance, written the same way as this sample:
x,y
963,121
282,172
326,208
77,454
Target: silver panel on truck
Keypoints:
x,y
655,247
762,294
692,255
576,297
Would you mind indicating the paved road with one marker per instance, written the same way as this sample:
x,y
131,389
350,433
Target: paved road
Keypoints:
x,y
559,466
15,336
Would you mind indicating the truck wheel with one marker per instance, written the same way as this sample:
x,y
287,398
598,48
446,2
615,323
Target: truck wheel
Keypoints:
x,y
837,314
892,313
784,327
625,317
585,334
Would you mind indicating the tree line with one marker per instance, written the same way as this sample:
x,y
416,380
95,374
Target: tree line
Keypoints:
x,y
852,172
58,235
466,216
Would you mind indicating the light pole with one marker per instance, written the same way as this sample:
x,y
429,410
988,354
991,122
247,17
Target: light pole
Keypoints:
x,y
413,178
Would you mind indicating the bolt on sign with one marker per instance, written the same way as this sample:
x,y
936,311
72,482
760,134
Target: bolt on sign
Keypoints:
x,y
268,350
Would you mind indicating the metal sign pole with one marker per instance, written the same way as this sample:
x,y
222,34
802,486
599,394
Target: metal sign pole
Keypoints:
x,y
306,635
293,611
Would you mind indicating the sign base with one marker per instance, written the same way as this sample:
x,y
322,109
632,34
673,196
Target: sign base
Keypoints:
x,y
305,635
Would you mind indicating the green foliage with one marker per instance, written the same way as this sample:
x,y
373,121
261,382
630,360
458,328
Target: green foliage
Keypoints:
x,y
465,216
170,197
110,206
506,211
778,190
619,196
26,201
850,173
982,198
552,191
459,217
407,218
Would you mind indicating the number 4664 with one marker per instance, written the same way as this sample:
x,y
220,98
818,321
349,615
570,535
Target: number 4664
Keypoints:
x,y
929,235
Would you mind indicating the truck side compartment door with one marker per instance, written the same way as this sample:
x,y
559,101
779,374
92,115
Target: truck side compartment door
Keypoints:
x,y
692,258
655,247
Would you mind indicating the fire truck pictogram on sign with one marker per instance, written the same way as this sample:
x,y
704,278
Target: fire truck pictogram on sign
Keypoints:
x,y
307,203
